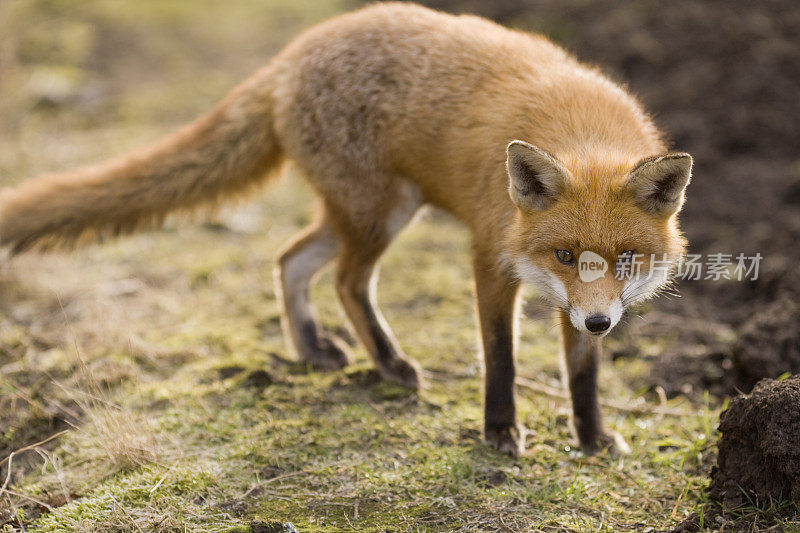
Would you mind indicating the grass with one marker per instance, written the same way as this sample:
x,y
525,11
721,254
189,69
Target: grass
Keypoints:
x,y
156,354
326,451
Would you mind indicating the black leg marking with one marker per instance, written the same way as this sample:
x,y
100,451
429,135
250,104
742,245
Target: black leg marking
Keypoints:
x,y
497,296
500,408
585,408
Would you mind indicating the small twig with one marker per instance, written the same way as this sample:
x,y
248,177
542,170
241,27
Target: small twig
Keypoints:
x,y
347,519
48,458
662,399
10,459
160,481
271,480
541,388
8,474
126,512
282,360
31,499
674,514
34,445
561,395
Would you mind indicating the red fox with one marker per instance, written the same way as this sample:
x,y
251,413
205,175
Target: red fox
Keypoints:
x,y
387,109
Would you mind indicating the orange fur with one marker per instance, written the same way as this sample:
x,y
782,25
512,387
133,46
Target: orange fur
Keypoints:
x,y
384,110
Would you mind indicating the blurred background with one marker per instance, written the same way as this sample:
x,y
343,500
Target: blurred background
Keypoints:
x,y
82,81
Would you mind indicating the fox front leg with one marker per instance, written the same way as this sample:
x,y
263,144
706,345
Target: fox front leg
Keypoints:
x,y
581,354
496,295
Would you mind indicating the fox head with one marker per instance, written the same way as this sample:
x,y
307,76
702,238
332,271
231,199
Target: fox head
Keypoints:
x,y
595,237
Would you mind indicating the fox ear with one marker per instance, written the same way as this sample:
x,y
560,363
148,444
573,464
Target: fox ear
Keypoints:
x,y
536,177
658,183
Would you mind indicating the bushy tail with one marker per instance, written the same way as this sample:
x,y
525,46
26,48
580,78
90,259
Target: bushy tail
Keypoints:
x,y
221,155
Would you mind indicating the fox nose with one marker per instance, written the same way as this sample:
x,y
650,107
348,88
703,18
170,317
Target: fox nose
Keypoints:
x,y
598,323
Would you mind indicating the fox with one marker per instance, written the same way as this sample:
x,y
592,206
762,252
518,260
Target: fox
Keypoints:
x,y
385,110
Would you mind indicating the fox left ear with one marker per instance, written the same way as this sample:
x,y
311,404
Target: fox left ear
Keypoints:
x,y
537,177
658,183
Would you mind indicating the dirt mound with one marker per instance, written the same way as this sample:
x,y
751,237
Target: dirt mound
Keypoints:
x,y
759,451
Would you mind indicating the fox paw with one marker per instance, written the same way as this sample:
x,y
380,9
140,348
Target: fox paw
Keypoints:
x,y
406,372
610,443
330,353
509,440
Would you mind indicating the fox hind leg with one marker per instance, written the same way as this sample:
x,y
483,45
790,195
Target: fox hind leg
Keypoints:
x,y
300,260
356,282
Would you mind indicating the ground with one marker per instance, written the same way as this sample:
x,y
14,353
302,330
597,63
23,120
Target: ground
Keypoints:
x,y
154,366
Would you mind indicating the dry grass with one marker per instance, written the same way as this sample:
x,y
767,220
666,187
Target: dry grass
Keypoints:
x,y
111,439
118,438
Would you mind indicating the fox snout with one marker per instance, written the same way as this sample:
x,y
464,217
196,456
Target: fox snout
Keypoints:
x,y
594,319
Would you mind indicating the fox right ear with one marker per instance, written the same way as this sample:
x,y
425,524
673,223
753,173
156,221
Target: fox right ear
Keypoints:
x,y
658,183
536,177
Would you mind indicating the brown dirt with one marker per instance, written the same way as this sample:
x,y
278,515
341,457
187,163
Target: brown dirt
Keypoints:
x,y
764,341
759,451
769,344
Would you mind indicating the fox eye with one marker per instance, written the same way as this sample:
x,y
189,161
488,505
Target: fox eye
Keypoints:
x,y
565,257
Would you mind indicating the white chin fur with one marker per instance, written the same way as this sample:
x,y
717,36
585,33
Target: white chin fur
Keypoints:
x,y
548,285
578,318
615,311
